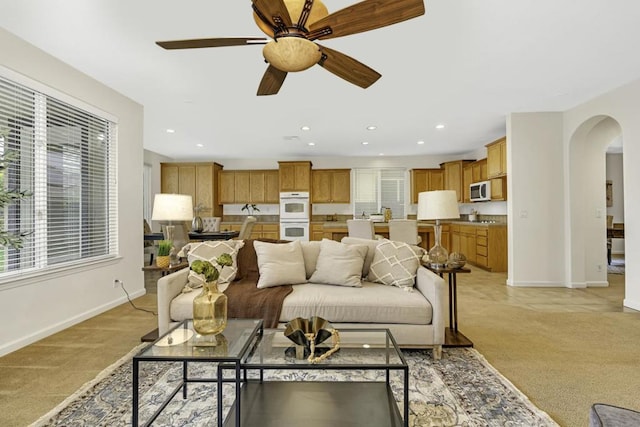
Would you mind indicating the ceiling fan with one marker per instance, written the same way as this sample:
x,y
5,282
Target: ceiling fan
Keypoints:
x,y
292,46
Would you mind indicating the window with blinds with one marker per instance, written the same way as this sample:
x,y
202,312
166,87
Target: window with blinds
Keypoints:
x,y
375,189
66,158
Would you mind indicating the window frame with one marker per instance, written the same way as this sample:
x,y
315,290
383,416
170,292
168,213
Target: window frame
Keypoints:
x,y
40,169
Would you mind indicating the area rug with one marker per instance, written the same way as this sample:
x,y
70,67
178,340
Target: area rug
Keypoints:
x,y
462,389
616,266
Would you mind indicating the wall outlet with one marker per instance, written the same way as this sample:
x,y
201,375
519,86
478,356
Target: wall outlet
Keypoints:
x,y
599,267
116,283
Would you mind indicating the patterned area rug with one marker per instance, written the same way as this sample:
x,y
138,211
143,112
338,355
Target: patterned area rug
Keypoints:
x,y
462,389
616,266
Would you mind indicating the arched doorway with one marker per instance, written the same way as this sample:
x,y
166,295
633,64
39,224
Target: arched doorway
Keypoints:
x,y
587,201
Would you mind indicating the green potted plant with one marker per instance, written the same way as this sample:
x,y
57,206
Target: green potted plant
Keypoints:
x,y
164,252
9,195
210,306
250,208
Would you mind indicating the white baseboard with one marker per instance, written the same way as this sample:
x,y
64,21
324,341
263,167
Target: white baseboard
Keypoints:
x,y
535,284
52,329
634,305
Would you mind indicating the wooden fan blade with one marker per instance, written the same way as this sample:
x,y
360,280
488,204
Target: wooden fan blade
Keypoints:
x,y
273,8
348,68
221,42
271,81
368,15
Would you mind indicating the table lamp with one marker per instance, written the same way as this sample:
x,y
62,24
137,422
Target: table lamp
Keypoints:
x,y
172,208
442,204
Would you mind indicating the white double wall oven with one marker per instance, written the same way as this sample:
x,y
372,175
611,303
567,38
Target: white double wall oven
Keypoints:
x,y
295,214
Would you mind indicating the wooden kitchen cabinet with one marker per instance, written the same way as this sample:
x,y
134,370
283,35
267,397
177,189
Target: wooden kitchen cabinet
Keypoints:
x,y
249,186
198,180
454,176
259,231
497,158
484,245
499,188
425,180
473,172
331,186
317,231
295,176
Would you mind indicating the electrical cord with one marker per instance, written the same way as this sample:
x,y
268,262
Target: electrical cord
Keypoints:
x,y
131,302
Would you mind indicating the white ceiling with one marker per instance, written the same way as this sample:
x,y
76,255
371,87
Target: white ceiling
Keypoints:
x,y
465,63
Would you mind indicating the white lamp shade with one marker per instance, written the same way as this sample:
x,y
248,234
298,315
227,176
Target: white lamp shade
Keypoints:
x,y
441,204
172,207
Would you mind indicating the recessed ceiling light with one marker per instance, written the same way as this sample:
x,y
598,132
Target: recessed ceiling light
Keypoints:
x,y
420,142
171,131
199,145
365,143
372,127
311,144
305,128
440,126
380,154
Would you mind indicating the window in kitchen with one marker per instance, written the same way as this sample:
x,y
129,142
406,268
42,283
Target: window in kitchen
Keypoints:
x,y
375,189
66,157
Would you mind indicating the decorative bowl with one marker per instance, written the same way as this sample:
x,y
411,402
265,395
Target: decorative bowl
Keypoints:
x,y
456,260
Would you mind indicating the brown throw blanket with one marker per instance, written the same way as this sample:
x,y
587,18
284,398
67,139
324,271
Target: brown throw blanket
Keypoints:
x,y
246,301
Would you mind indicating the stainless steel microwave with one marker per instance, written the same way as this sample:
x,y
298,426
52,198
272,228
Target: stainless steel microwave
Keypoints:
x,y
480,191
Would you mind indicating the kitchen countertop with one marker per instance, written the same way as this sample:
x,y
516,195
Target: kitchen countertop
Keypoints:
x,y
340,224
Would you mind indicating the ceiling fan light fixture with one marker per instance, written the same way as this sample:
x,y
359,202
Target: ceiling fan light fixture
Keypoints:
x,y
292,54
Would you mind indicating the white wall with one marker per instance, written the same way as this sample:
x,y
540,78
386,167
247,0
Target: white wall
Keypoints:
x,y
545,151
623,105
535,199
32,309
154,159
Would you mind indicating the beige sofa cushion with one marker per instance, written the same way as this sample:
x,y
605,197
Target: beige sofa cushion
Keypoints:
x,y
280,263
339,264
371,303
371,249
310,252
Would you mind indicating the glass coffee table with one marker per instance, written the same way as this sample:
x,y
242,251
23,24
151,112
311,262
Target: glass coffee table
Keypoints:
x,y
356,396
183,344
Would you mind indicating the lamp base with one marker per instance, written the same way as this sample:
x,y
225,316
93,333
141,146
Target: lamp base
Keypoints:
x,y
438,257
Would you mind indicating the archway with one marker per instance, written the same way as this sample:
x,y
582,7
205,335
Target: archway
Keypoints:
x,y
587,202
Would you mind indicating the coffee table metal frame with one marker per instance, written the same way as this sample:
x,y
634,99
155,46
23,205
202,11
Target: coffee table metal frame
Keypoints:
x,y
248,331
253,360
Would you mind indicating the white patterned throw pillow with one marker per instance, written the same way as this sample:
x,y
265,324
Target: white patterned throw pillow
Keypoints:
x,y
210,250
395,263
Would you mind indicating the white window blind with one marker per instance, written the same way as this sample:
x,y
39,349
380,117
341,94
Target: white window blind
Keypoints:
x,y
375,189
66,157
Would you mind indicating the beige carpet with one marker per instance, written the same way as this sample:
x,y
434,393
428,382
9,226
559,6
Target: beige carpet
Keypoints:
x,y
564,348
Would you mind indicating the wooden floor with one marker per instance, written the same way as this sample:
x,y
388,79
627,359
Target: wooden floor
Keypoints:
x,y
506,324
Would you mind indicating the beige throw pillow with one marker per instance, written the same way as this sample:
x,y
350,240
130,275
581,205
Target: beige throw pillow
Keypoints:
x,y
280,264
339,264
210,250
395,263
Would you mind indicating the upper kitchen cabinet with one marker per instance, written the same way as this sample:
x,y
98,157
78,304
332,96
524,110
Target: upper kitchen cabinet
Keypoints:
x,y
425,180
198,180
249,186
295,176
497,158
454,177
473,172
331,186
